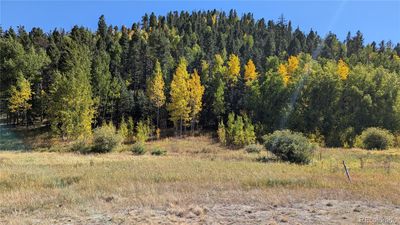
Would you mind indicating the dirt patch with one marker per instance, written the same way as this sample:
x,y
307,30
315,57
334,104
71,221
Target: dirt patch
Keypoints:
x,y
315,212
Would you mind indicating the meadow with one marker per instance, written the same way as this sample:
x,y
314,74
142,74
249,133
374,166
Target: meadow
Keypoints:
x,y
197,181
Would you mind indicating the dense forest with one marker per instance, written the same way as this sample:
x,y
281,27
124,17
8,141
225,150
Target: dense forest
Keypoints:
x,y
192,71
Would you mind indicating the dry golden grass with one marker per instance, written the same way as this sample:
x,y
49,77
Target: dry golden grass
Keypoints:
x,y
195,170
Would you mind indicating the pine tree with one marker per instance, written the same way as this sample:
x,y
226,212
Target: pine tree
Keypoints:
x,y
71,109
179,106
101,81
155,90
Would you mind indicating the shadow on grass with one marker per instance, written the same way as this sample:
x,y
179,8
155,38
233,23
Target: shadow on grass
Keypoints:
x,y
10,140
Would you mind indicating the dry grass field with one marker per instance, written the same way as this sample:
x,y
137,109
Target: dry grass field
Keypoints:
x,y
198,182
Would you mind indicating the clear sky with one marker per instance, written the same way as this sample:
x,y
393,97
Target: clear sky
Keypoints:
x,y
377,20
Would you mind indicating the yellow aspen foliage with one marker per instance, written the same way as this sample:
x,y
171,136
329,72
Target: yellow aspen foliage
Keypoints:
x,y
293,64
20,95
282,70
250,73
214,19
179,106
343,70
233,68
196,91
287,70
155,87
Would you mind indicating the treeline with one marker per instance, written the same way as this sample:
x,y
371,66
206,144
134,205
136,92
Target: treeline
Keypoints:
x,y
191,70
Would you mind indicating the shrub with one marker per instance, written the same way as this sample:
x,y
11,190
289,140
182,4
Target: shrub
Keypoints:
x,y
123,129
290,146
238,133
131,129
81,145
253,148
221,133
138,149
105,138
143,131
375,138
158,151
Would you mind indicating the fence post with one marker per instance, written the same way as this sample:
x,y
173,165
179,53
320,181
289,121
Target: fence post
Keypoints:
x,y
347,172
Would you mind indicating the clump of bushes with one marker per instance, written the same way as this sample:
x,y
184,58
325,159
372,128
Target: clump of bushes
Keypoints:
x,y
290,146
81,145
123,129
143,131
106,138
138,149
158,152
238,133
375,138
253,148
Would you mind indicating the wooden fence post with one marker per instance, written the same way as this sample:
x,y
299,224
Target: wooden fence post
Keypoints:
x,y
347,172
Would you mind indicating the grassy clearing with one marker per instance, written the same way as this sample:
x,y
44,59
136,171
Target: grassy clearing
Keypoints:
x,y
195,170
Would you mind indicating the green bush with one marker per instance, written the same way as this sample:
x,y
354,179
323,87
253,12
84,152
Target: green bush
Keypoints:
x,y
221,133
123,129
375,138
81,145
138,149
238,133
253,148
290,146
158,151
106,138
143,131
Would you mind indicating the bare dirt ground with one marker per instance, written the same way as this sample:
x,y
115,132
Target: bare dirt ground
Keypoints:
x,y
312,212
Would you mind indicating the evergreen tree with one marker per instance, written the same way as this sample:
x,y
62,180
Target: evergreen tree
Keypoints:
x,y
71,105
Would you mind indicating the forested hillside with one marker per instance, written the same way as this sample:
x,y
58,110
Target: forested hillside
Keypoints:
x,y
191,70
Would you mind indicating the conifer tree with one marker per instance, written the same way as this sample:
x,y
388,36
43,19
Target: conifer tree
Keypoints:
x,y
71,108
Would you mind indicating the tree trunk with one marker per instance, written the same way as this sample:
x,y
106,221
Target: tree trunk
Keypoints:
x,y
158,116
26,118
181,128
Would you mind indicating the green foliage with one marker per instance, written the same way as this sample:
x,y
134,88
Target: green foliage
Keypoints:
x,y
282,78
253,148
106,138
290,146
143,131
221,132
71,108
158,152
81,145
131,128
375,138
239,131
123,129
138,149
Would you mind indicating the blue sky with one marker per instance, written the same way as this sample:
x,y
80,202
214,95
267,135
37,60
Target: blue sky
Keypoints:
x,y
377,20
